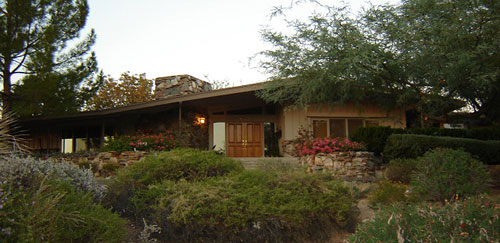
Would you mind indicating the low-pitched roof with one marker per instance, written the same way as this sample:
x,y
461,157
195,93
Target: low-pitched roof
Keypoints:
x,y
154,103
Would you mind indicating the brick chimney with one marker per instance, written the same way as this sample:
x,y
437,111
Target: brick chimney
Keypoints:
x,y
179,85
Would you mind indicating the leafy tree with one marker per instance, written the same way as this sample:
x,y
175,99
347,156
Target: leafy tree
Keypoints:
x,y
433,55
34,41
129,89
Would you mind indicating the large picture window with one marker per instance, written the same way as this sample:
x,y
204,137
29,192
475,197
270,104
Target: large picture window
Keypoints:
x,y
339,127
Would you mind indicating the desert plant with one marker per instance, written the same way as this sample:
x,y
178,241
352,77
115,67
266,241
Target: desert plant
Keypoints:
x,y
472,220
444,174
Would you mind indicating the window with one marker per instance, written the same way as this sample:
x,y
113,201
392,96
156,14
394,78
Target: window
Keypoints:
x,y
320,128
339,127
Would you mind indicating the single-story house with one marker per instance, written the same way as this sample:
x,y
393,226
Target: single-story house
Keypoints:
x,y
235,118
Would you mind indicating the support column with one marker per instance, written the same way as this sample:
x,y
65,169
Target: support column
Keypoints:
x,y
180,115
101,140
73,141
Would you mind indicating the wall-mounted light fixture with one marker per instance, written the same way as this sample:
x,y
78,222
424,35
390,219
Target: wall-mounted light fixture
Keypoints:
x,y
201,120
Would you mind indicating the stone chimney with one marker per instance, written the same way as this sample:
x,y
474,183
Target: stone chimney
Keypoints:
x,y
179,85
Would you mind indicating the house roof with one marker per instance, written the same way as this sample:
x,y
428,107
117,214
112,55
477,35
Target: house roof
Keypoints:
x,y
151,104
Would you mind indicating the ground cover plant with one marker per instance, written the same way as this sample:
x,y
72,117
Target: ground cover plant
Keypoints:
x,y
232,204
471,220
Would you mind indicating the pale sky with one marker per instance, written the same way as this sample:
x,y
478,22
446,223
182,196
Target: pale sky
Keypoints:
x,y
213,38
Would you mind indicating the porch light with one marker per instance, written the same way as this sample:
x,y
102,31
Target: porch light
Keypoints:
x,y
201,120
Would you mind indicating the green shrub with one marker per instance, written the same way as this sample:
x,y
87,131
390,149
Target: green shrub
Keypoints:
x,y
251,206
188,164
471,220
412,146
23,171
374,138
400,170
119,144
177,164
443,174
53,211
386,193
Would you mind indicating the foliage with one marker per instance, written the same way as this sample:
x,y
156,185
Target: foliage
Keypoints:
x,y
329,145
445,174
186,164
400,170
35,42
178,164
54,211
495,175
143,141
426,54
128,89
412,146
387,193
253,206
374,138
197,195
22,172
306,144
471,220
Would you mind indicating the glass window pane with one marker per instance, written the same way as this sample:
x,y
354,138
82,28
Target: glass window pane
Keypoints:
x,y
354,124
320,128
219,136
337,128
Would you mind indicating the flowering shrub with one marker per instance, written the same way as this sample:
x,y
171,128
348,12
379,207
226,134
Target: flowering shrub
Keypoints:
x,y
143,141
328,145
306,144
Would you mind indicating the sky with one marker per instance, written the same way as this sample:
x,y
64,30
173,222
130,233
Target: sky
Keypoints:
x,y
209,39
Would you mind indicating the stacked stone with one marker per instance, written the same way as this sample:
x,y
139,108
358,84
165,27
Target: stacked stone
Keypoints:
x,y
349,165
179,85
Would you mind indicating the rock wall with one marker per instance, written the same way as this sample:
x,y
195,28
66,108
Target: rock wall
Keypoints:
x,y
179,85
347,165
102,163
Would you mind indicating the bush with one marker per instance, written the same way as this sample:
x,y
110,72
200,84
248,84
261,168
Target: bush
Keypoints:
x,y
23,171
400,170
251,206
412,146
374,138
54,211
443,174
387,193
186,164
143,141
471,220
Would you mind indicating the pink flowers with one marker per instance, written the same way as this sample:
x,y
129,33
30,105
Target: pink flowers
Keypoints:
x,y
152,142
327,145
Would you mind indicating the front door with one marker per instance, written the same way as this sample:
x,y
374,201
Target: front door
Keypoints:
x,y
244,139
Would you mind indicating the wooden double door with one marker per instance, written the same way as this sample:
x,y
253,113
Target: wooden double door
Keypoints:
x,y
244,139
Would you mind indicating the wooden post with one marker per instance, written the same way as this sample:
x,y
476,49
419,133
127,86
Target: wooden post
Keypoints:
x,y
101,140
73,141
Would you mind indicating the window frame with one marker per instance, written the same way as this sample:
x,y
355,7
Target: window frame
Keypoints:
x,y
346,122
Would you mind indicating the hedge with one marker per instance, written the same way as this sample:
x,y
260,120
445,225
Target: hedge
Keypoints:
x,y
374,138
412,146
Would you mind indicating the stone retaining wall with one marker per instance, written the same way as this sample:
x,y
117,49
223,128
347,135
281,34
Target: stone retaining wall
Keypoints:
x,y
348,165
100,160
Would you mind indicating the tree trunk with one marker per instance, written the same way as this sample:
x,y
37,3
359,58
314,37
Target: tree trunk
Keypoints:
x,y
6,96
